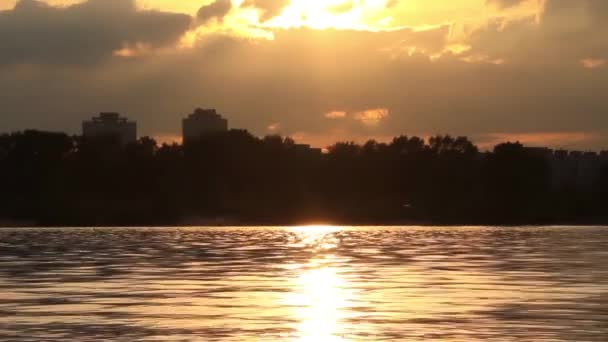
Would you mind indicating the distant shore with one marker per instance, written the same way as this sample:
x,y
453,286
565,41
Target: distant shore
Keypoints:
x,y
235,178
235,223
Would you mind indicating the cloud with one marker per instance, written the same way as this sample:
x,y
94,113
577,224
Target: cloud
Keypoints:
x,y
34,32
274,127
372,117
336,114
567,32
216,10
132,51
422,78
591,63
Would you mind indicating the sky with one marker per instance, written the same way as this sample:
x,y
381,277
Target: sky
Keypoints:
x,y
534,71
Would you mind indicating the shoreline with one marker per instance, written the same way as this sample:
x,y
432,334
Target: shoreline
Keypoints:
x,y
316,224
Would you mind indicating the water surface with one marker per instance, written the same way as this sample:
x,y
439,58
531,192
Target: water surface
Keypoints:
x,y
304,284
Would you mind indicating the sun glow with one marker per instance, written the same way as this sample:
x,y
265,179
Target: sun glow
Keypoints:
x,y
336,14
318,230
316,236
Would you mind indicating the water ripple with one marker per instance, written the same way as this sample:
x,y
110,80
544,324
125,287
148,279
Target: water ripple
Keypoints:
x,y
304,284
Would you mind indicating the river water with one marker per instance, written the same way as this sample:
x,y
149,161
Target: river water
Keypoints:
x,y
304,284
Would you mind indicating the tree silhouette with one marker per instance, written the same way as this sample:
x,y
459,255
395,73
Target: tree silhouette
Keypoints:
x,y
237,178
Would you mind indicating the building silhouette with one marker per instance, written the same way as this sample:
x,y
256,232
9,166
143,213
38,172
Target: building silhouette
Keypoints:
x,y
307,150
110,125
572,169
202,122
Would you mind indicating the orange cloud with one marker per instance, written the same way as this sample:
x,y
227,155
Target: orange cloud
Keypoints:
x,y
132,51
274,127
591,63
372,117
336,114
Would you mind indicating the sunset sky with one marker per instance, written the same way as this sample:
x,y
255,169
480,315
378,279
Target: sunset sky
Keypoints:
x,y
319,71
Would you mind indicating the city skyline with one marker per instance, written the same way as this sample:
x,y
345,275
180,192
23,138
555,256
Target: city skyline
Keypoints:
x,y
530,70
197,127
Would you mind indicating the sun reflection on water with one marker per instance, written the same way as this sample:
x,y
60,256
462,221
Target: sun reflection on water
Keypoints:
x,y
320,296
304,284
317,237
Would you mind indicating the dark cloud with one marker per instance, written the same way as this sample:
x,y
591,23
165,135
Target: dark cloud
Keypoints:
x,y
293,79
594,11
34,32
216,10
567,32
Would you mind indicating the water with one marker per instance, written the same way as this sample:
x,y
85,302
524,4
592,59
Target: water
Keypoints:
x,y
304,284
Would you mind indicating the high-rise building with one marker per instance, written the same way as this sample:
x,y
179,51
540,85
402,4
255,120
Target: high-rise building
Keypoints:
x,y
203,122
110,125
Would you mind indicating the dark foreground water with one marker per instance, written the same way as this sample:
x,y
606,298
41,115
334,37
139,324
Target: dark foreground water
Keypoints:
x,y
304,284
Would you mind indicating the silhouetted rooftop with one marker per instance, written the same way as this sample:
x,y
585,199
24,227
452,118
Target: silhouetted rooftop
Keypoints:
x,y
199,112
109,117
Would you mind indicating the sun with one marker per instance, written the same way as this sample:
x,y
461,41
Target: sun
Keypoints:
x,y
334,14
318,14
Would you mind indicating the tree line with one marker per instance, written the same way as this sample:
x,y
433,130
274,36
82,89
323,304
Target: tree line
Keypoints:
x,y
53,179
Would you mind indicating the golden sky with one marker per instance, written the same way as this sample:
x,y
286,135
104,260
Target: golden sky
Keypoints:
x,y
535,70
356,14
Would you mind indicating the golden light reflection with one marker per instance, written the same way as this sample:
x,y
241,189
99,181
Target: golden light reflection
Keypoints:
x,y
320,298
320,301
315,236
